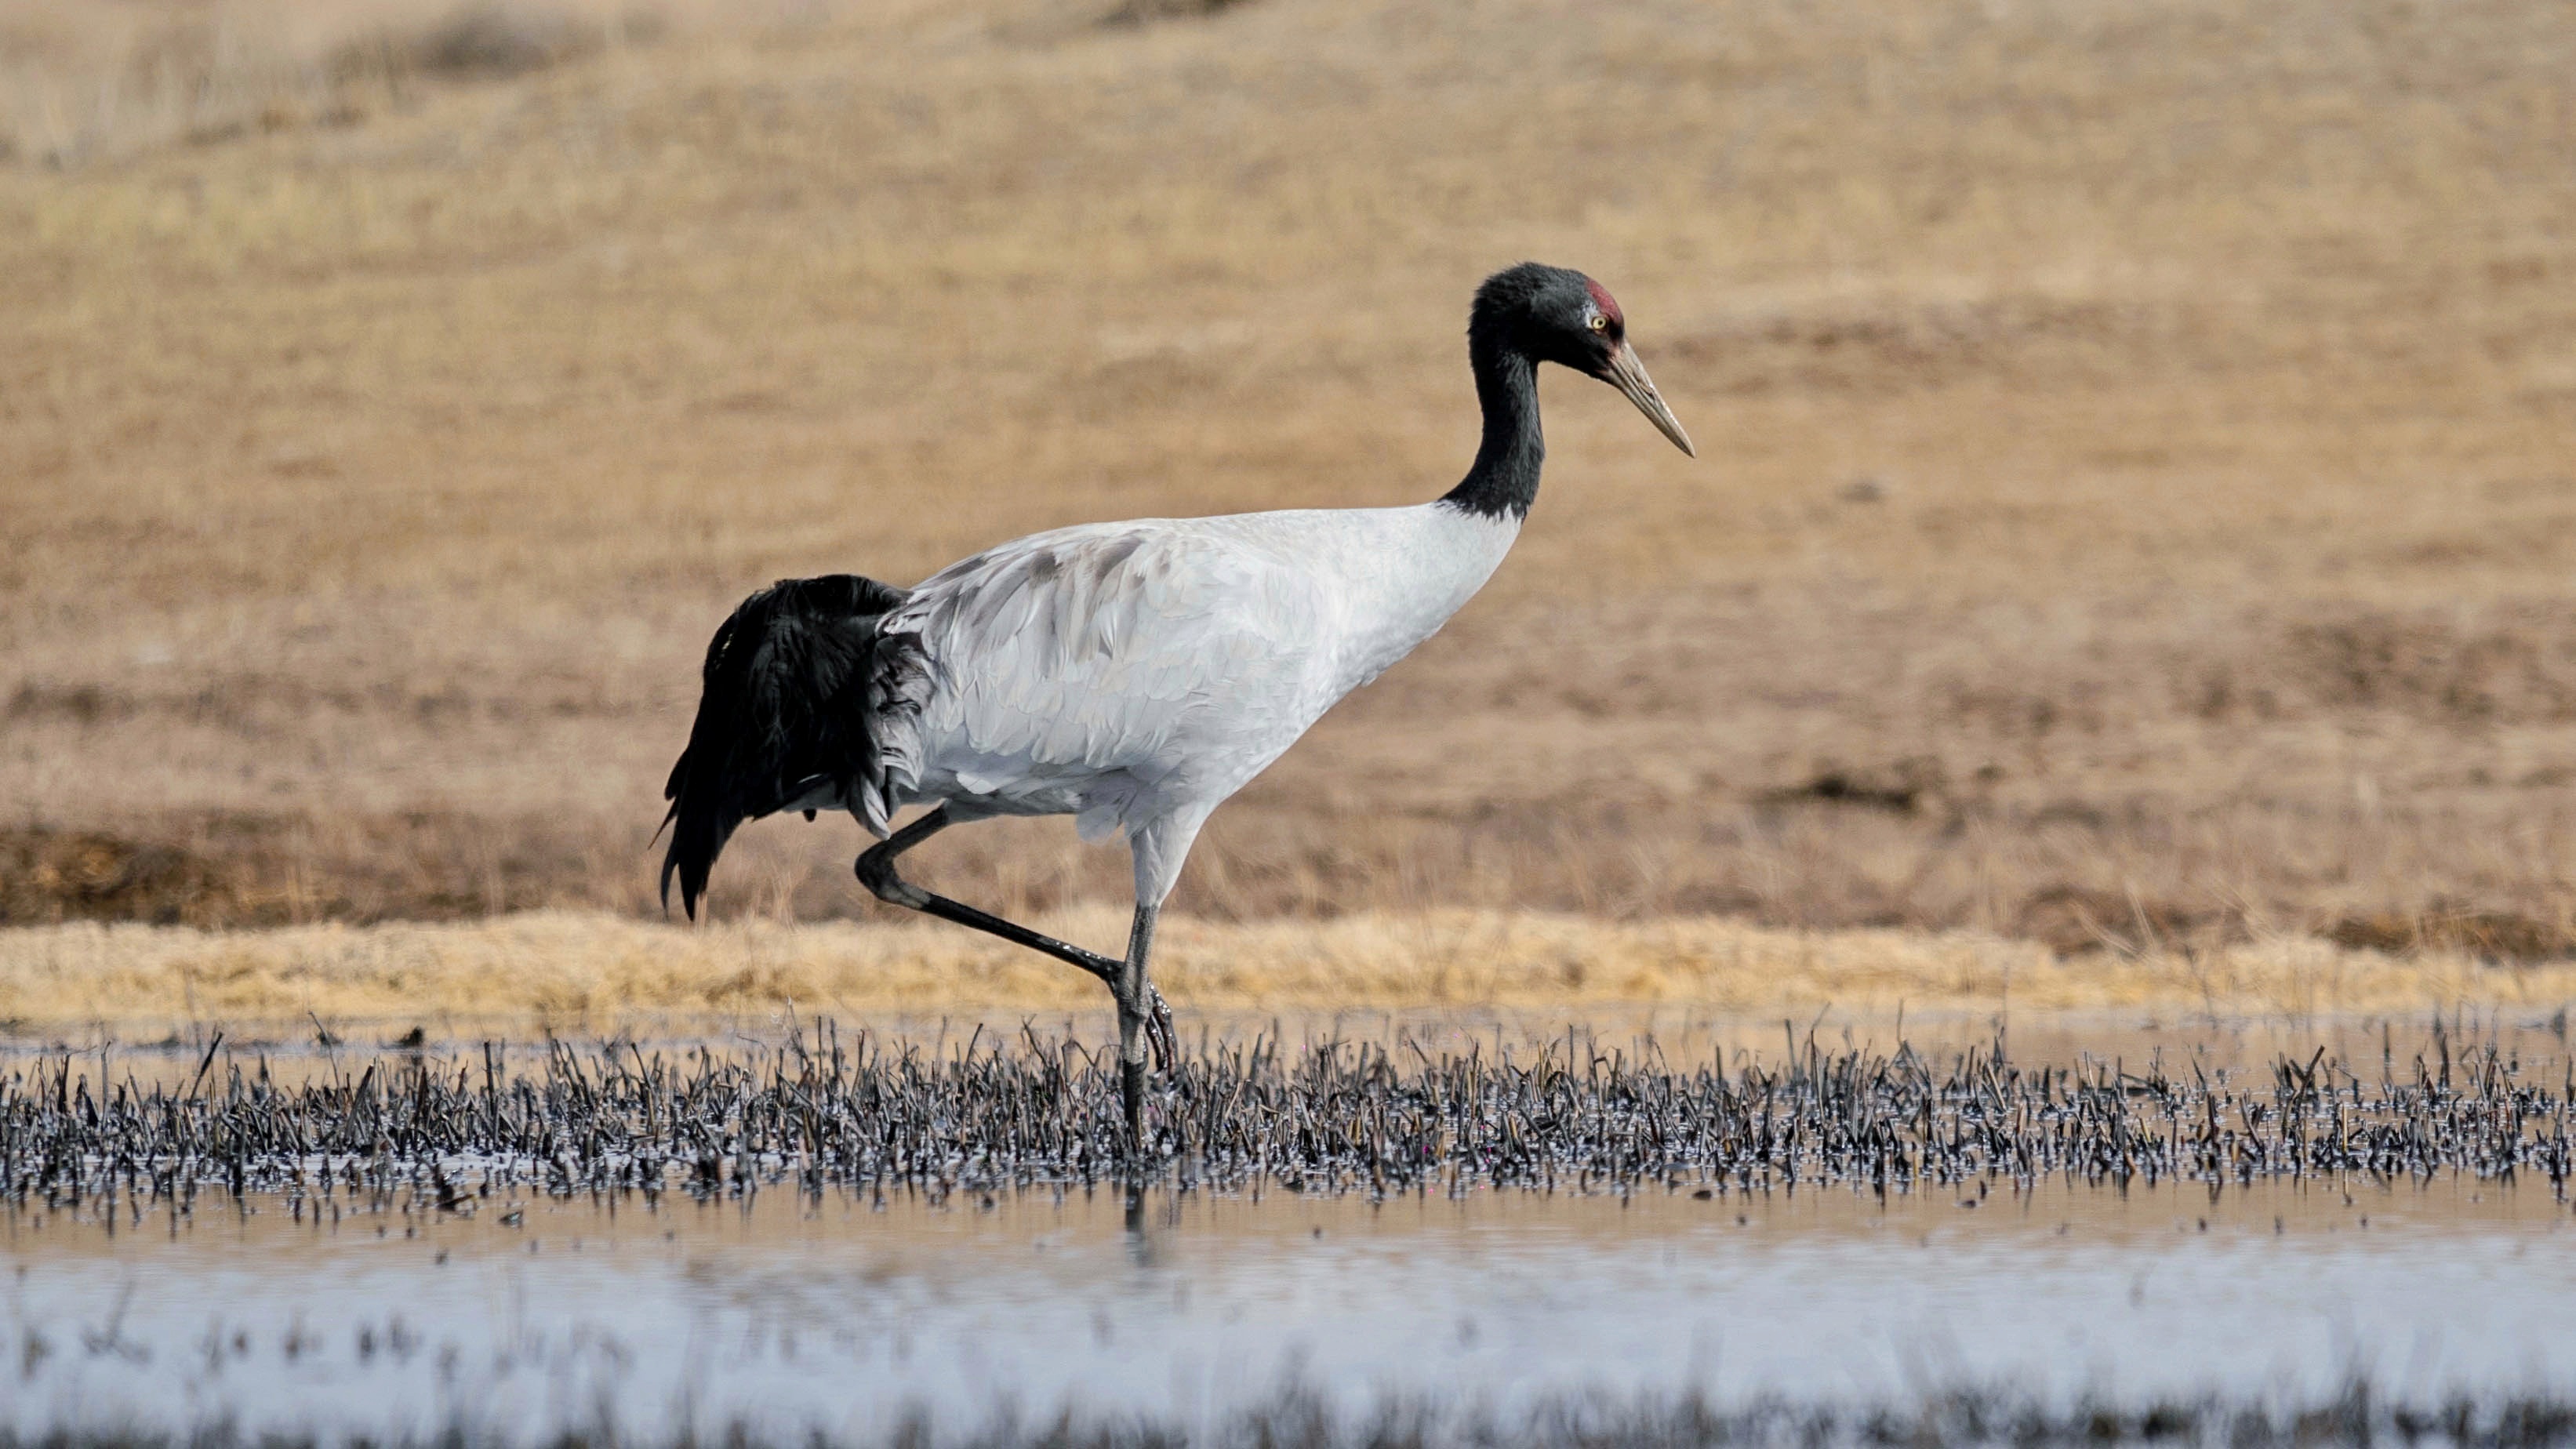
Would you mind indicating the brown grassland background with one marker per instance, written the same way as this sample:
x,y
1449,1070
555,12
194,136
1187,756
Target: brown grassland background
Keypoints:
x,y
2137,511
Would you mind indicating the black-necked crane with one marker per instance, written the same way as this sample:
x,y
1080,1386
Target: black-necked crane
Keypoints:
x,y
1131,675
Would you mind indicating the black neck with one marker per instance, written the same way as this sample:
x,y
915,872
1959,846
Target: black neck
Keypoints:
x,y
1503,483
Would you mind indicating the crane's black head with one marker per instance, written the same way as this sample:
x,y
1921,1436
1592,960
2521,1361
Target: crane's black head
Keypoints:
x,y
1551,314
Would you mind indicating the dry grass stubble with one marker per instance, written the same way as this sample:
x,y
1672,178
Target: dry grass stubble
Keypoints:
x,y
575,972
2137,514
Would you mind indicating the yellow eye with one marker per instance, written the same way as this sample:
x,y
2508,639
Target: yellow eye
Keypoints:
x,y
1600,323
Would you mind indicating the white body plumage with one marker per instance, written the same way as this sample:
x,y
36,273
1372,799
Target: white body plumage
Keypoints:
x,y
1136,674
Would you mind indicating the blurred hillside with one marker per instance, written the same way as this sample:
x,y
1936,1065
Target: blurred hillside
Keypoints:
x,y
2136,504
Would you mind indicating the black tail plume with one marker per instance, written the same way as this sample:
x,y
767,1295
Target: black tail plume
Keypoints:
x,y
782,717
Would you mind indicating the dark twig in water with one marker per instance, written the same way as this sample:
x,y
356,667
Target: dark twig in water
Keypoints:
x,y
2356,1415
1249,1116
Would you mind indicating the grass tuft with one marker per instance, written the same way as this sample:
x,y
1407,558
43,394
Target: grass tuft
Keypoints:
x,y
1006,1112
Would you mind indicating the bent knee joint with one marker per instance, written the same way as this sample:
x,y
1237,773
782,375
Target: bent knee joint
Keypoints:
x,y
876,872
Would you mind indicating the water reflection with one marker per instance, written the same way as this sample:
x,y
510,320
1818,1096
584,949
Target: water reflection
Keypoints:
x,y
845,1311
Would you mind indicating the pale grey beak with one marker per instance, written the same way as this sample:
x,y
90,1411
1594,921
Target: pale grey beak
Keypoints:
x,y
1630,375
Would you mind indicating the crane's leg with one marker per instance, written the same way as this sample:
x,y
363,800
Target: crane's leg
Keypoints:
x,y
1140,1006
1140,1009
876,872
1159,846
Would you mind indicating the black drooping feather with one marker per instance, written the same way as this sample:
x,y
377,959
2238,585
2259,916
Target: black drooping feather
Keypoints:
x,y
783,717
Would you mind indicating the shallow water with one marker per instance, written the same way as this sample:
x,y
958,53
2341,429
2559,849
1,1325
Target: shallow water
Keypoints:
x,y
845,1313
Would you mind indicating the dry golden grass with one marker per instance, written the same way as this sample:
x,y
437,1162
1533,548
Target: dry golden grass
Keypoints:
x,y
2137,509
569,971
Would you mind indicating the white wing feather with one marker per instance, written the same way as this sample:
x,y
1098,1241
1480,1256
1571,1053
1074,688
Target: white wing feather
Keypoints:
x,y
1112,669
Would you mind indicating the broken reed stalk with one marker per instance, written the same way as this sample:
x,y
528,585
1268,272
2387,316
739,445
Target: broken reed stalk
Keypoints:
x,y
996,1114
